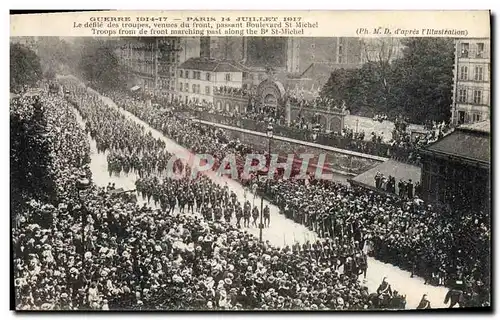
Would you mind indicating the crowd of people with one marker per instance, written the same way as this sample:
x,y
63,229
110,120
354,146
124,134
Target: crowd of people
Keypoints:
x,y
96,251
408,234
169,260
239,92
405,189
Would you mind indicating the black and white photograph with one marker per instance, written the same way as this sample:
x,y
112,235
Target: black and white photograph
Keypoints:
x,y
223,173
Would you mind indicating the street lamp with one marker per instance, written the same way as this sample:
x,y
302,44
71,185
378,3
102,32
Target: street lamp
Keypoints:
x,y
82,183
269,134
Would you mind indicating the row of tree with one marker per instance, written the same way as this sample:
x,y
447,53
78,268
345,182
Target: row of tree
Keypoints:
x,y
25,67
92,59
417,85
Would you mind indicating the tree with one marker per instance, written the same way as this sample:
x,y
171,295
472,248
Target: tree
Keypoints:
x,y
379,53
425,79
99,64
25,67
55,54
417,85
30,159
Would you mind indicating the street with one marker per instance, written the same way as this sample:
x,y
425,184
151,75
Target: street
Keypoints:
x,y
282,231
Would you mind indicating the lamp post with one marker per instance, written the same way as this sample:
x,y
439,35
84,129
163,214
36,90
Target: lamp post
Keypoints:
x,y
269,134
82,183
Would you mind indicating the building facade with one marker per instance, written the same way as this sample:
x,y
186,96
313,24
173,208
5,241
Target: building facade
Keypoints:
x,y
457,168
199,78
299,63
471,81
152,62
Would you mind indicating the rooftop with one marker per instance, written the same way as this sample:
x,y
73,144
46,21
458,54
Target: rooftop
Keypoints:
x,y
483,126
470,142
212,65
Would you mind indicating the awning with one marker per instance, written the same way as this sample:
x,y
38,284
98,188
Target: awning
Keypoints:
x,y
135,88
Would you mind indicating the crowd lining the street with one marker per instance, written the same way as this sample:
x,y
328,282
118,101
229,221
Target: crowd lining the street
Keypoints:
x,y
441,245
97,250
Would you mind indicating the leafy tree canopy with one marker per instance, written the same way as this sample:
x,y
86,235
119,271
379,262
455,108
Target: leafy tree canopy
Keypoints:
x,y
25,67
99,64
418,85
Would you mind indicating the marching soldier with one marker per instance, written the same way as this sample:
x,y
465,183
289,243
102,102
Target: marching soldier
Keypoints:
x,y
384,290
255,216
228,213
267,216
424,303
239,215
246,214
190,202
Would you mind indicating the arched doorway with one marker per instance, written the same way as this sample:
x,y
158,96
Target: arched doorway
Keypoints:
x,y
270,100
270,96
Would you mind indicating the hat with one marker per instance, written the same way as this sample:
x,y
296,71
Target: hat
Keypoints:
x,y
228,281
271,279
259,281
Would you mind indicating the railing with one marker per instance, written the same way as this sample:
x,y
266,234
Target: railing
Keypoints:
x,y
404,154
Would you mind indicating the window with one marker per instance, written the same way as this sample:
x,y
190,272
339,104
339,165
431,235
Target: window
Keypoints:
x,y
340,59
464,50
186,87
181,74
187,74
480,49
313,45
207,76
478,73
462,95
476,117
180,86
340,50
194,88
207,90
228,77
463,73
477,96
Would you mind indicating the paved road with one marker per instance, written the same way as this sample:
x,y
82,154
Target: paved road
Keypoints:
x,y
282,231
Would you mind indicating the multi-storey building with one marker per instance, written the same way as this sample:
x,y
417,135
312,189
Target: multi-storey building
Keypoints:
x,y
153,62
292,58
198,78
471,81
139,58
